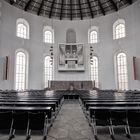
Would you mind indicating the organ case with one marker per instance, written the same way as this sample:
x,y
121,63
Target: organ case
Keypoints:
x,y
71,57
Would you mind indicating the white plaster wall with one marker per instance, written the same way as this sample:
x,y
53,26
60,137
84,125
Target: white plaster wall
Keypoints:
x,y
105,49
0,45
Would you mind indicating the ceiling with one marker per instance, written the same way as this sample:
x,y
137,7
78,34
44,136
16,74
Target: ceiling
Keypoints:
x,y
71,9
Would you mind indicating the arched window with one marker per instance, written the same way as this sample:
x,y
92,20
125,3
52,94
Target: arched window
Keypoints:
x,y
48,35
21,71
122,71
48,70
119,29
93,35
22,29
94,71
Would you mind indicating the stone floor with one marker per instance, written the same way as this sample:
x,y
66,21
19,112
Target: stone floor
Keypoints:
x,y
71,124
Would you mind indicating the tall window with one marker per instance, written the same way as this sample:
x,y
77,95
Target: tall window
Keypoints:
x,y
48,34
22,28
119,29
48,70
93,35
48,37
94,71
21,70
122,71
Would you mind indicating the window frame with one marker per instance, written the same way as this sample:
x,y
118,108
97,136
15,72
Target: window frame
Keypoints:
x,y
95,69
118,23
93,29
26,25
45,29
122,85
47,77
26,68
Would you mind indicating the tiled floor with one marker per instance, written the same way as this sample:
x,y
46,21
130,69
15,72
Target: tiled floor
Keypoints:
x,y
71,124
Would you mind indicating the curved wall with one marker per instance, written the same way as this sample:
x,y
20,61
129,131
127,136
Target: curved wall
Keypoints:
x,y
105,49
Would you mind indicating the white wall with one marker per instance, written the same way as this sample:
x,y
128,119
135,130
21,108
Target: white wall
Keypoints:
x,y
0,46
105,49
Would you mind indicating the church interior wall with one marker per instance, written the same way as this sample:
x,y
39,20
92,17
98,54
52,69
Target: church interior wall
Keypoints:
x,y
105,49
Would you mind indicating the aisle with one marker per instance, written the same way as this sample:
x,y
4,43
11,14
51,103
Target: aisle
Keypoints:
x,y
70,124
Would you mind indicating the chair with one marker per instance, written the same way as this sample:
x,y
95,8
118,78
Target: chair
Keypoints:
x,y
134,119
5,120
101,117
20,122
119,118
37,121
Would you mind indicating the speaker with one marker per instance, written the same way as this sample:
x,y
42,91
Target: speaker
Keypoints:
x,y
136,68
6,68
